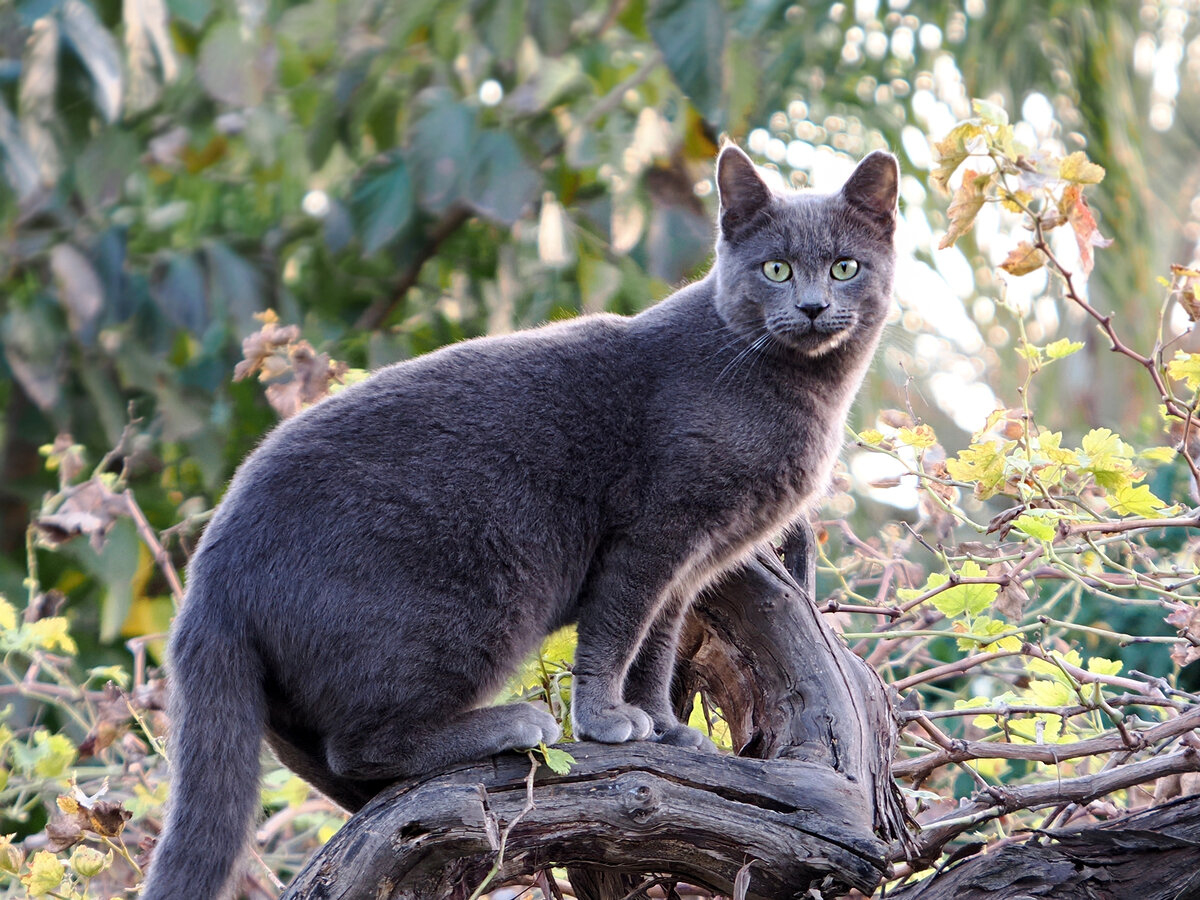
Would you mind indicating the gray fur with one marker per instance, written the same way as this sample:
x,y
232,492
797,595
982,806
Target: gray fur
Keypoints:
x,y
384,560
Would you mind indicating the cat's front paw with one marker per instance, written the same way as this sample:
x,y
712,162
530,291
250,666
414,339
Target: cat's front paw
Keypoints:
x,y
531,726
680,735
613,724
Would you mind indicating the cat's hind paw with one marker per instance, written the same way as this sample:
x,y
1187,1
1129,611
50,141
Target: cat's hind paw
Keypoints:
x,y
614,724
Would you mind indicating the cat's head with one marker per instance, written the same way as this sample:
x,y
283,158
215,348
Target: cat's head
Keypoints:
x,y
812,270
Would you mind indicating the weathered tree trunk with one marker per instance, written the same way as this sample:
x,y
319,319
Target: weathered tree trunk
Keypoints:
x,y
1150,855
808,803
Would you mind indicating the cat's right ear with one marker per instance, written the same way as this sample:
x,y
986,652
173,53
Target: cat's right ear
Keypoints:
x,y
741,191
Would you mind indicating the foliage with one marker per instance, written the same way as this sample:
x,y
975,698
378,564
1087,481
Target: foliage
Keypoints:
x,y
195,192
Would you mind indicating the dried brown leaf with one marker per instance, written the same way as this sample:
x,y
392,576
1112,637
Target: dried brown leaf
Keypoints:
x,y
1023,259
89,508
968,200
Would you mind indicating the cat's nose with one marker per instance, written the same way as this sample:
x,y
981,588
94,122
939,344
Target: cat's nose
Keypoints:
x,y
812,308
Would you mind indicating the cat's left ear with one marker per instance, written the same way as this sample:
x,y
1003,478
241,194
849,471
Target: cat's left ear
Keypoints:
x,y
874,187
741,191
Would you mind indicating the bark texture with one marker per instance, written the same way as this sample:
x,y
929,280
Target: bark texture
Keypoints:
x,y
1150,855
808,803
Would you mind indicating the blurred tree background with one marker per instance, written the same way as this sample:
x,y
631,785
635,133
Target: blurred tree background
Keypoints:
x,y
393,176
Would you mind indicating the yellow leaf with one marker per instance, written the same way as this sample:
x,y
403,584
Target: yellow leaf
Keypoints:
x,y
1100,666
1035,526
1158,454
46,872
982,463
51,634
871,436
8,616
1137,501
920,438
1078,169
1185,366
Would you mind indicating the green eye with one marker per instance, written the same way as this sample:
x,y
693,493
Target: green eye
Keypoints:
x,y
843,269
777,270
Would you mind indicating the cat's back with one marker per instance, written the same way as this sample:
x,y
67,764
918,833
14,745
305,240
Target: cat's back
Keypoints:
x,y
528,424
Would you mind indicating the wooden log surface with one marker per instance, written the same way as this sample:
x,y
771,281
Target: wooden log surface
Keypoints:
x,y
636,807
1148,855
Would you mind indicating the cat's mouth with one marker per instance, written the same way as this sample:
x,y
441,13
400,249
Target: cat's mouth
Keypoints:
x,y
813,337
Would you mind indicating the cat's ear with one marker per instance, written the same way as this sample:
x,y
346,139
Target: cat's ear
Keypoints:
x,y
741,191
875,186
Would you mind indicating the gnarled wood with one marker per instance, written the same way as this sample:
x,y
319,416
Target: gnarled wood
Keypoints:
x,y
1149,855
809,802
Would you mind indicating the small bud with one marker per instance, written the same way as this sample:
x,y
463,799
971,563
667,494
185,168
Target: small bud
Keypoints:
x,y
88,862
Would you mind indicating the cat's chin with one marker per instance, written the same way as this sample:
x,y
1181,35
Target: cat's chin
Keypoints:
x,y
813,342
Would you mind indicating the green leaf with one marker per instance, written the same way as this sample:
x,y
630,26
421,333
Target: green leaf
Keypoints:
x,y
1185,366
1035,526
1051,693
1100,666
965,599
982,463
1137,501
1048,667
503,184
229,66
985,627
558,761
1109,459
84,33
50,755
691,36
445,152
382,204
1063,347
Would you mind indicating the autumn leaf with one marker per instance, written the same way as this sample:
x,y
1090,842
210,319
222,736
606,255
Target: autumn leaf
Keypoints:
x,y
968,200
1083,223
952,151
1023,259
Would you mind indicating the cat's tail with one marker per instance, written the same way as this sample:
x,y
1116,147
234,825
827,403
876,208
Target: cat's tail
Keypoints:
x,y
218,711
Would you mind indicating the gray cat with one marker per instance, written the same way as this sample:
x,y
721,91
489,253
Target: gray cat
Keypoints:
x,y
384,560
